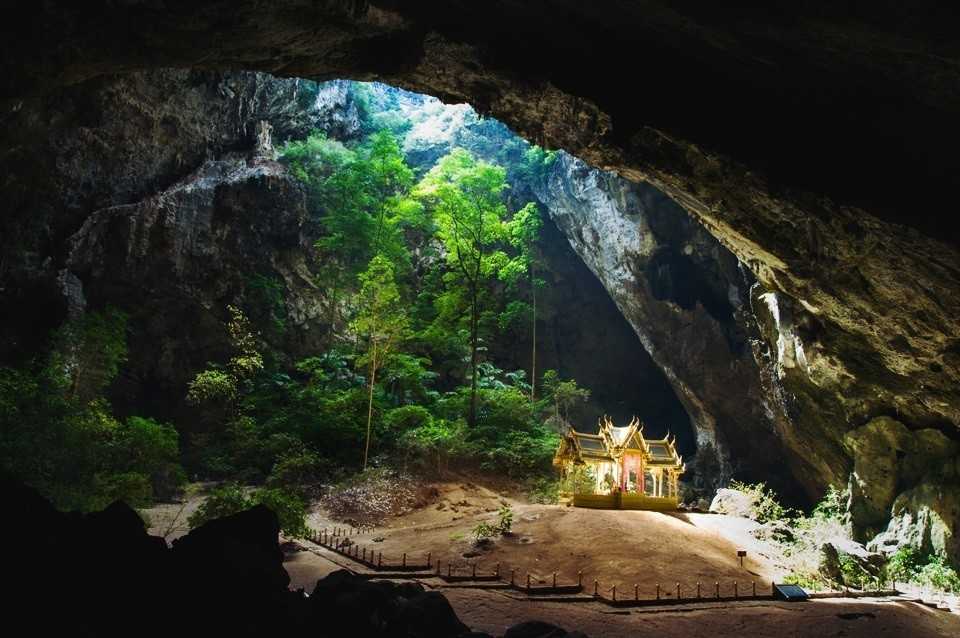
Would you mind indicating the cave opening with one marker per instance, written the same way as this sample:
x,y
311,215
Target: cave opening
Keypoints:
x,y
203,287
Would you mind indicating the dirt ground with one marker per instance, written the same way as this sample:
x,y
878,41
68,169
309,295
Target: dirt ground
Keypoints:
x,y
620,548
493,612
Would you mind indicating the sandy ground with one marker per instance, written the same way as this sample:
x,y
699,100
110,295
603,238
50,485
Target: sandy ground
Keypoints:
x,y
613,547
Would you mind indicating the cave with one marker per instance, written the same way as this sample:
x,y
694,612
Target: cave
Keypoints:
x,y
749,209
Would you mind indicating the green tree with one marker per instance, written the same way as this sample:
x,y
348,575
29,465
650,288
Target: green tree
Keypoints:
x,y
89,350
382,322
524,229
466,197
563,394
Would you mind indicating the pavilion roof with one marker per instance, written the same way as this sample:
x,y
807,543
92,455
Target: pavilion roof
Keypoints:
x,y
612,441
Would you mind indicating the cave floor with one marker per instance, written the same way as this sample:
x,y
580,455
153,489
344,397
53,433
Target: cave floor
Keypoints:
x,y
493,612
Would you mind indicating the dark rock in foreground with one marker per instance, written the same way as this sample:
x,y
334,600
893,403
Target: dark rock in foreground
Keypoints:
x,y
101,574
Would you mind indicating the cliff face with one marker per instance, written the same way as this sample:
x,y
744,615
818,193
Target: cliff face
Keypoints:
x,y
113,141
176,259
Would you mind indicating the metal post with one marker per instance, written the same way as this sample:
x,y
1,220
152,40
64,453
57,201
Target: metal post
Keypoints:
x,y
528,581
636,591
379,559
658,591
596,588
580,579
698,590
513,573
614,590
497,572
736,593
717,589
554,580
438,567
449,569
364,554
404,559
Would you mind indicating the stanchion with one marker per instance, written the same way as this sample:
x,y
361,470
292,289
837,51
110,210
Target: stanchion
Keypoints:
x,y
613,590
698,590
497,571
678,591
379,559
528,581
404,559
580,579
717,589
596,588
636,591
736,592
658,591
554,580
513,572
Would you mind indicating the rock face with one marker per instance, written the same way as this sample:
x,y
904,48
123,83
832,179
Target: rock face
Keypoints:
x,y
686,297
115,141
176,259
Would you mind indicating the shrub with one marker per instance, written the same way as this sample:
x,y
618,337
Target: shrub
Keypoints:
x,y
483,531
225,500
904,564
807,581
231,498
938,575
433,443
544,490
766,506
504,519
408,417
299,471
288,507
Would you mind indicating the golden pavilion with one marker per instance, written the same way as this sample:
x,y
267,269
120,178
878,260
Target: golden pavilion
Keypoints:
x,y
618,468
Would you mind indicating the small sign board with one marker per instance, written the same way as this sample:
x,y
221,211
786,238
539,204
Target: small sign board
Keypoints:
x,y
789,593
741,553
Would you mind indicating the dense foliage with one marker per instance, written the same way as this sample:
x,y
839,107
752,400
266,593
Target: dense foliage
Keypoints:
x,y
425,273
59,434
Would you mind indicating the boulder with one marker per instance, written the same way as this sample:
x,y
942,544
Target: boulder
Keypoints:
x,y
347,604
241,550
733,503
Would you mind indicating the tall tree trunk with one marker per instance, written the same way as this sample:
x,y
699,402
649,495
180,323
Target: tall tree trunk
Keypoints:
x,y
533,354
373,381
472,417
